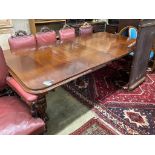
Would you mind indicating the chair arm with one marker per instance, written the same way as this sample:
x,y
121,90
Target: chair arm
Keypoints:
x,y
27,97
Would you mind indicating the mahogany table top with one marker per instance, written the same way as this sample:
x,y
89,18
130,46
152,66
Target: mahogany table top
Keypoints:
x,y
44,69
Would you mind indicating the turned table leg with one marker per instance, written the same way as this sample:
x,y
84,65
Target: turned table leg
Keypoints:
x,y
38,108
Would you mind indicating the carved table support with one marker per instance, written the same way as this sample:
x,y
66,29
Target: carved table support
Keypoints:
x,y
38,108
88,81
93,89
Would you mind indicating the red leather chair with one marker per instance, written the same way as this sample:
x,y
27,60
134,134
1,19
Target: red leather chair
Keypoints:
x,y
15,116
28,98
67,34
21,41
45,38
86,29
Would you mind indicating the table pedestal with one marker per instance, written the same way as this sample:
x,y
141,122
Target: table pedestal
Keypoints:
x,y
93,89
87,83
38,108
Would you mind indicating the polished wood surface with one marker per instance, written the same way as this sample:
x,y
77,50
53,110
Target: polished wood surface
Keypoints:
x,y
44,69
112,44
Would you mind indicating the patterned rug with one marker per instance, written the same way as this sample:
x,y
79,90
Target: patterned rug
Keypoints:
x,y
94,127
130,112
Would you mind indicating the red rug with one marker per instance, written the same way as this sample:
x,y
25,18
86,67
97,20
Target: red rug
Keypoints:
x,y
130,112
94,127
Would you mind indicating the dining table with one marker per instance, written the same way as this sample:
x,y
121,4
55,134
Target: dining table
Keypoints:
x,y
41,70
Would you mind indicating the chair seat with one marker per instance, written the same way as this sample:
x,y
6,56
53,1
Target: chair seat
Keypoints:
x,y
28,98
16,119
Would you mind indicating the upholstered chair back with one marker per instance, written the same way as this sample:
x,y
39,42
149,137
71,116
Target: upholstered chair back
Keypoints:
x,y
22,41
67,34
129,31
85,29
45,38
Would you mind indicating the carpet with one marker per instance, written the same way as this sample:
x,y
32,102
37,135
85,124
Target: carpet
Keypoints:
x,y
130,112
94,127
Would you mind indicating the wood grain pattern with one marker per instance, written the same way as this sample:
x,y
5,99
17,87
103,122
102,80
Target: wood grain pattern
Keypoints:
x,y
65,62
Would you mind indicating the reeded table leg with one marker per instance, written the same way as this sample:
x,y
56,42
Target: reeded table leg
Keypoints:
x,y
39,108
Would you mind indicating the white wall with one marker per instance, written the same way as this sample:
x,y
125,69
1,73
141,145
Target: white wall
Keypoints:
x,y
18,24
21,24
4,41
